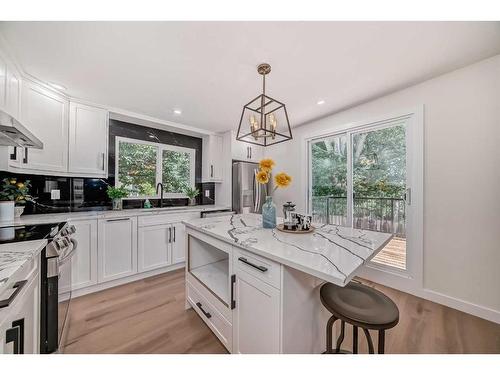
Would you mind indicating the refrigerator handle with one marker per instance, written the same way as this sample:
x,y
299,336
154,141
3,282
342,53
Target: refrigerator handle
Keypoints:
x,y
254,191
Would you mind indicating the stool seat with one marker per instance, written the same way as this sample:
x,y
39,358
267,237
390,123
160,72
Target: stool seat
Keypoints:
x,y
360,305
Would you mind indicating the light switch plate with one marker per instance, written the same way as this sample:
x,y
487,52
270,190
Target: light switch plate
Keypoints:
x,y
207,193
55,194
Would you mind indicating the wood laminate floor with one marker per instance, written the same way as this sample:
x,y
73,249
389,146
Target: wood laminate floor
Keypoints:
x,y
148,316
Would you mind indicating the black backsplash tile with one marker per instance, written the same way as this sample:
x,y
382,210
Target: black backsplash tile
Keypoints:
x,y
84,194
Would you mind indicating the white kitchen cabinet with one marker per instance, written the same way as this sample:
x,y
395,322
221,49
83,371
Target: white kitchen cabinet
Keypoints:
x,y
84,262
117,248
45,114
160,246
178,243
10,88
245,151
256,316
20,322
3,83
154,247
88,140
212,159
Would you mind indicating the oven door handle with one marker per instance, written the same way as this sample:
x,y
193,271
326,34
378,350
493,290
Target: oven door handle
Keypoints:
x,y
17,288
74,245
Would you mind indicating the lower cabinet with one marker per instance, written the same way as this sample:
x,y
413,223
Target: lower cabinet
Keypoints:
x,y
117,248
154,247
84,262
256,316
160,246
20,326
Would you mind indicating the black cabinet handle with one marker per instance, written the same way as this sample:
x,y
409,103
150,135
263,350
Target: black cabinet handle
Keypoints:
x,y
207,314
18,286
211,171
20,324
245,260
233,302
250,148
12,335
121,219
174,234
13,156
25,160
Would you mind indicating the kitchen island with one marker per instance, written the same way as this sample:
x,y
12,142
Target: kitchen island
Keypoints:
x,y
258,289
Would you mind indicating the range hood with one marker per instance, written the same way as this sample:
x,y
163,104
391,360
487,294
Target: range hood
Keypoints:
x,y
13,133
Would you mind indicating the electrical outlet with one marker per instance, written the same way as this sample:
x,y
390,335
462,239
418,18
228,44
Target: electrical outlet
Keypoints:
x,y
207,193
55,194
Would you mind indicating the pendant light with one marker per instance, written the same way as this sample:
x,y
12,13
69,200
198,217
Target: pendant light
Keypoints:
x,y
264,120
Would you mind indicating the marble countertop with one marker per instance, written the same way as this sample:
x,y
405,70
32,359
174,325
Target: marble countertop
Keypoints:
x,y
65,216
13,256
332,253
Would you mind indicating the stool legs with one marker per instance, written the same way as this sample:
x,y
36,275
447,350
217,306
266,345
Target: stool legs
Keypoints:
x,y
329,334
370,342
354,340
381,341
341,337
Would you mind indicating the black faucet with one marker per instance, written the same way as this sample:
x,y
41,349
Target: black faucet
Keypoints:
x,y
161,194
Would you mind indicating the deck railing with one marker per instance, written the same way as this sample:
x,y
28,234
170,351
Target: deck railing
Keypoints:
x,y
379,214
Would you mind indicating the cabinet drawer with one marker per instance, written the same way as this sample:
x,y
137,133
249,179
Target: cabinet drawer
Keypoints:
x,y
262,268
211,316
174,217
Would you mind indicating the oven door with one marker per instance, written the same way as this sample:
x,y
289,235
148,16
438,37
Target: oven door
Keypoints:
x,y
64,294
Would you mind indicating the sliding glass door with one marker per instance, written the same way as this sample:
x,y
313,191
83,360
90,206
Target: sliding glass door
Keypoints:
x,y
359,178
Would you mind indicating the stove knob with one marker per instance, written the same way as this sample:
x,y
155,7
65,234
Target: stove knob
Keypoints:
x,y
71,229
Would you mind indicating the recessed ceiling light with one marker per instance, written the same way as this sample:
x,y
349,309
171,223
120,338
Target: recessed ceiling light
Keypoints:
x,y
177,112
57,86
320,102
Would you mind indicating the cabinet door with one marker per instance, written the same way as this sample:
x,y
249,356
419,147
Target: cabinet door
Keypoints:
x,y
117,248
13,93
154,247
239,150
23,318
256,317
84,262
178,243
212,158
3,84
255,153
88,140
45,114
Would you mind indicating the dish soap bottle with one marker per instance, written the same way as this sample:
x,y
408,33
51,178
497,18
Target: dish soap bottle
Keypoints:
x,y
147,204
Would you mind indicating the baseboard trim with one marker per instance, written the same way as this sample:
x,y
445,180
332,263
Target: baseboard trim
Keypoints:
x,y
461,305
110,284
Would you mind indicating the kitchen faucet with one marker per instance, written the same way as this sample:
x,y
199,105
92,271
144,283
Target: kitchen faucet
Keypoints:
x,y
161,194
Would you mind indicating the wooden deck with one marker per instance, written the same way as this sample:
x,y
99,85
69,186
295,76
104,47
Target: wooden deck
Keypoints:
x,y
394,254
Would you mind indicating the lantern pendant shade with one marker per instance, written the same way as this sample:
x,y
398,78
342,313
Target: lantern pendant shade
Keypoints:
x,y
264,120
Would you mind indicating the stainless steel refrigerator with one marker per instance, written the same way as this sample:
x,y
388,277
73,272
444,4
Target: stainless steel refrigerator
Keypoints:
x,y
248,195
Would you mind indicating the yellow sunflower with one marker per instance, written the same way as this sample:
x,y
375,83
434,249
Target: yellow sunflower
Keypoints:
x,y
262,177
282,180
266,165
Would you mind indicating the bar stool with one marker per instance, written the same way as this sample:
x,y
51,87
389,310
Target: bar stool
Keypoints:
x,y
362,307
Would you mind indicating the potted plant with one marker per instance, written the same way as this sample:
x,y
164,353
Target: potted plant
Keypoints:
x,y
12,193
117,194
192,193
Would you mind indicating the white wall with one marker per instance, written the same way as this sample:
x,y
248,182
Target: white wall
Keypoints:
x,y
461,176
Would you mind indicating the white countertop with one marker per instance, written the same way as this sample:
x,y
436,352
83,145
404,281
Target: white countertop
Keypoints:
x,y
13,256
332,253
65,216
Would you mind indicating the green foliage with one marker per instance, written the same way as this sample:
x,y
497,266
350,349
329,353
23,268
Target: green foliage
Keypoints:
x,y
12,190
379,164
176,171
192,192
137,168
117,192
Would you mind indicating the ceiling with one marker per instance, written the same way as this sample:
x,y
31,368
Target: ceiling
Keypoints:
x,y
208,69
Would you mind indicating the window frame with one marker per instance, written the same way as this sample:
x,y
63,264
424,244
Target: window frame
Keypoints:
x,y
160,147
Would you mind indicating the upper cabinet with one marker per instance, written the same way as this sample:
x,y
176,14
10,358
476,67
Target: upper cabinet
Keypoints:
x,y
88,140
213,146
45,114
10,88
244,151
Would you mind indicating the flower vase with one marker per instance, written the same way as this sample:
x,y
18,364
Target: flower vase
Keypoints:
x,y
117,204
269,213
6,210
